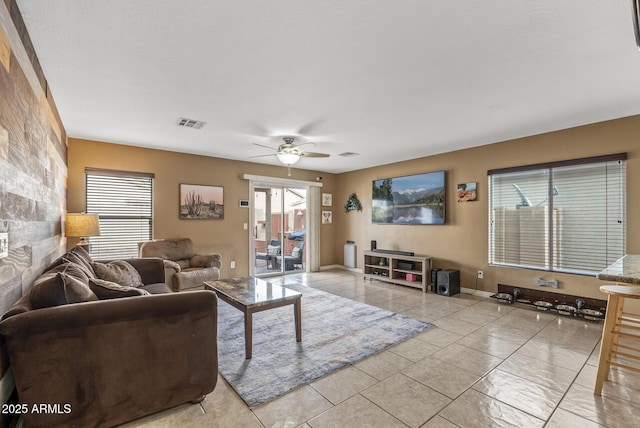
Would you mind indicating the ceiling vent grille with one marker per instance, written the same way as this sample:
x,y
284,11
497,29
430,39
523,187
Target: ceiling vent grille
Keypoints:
x,y
190,123
348,154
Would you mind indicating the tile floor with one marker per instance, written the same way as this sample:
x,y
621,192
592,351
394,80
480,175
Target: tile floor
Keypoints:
x,y
485,364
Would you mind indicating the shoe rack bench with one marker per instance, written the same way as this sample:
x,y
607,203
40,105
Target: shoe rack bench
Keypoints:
x,y
411,271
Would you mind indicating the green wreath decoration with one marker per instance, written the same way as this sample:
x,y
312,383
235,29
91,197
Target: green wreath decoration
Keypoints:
x,y
353,204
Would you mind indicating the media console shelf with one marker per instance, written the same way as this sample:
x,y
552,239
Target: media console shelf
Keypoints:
x,y
412,271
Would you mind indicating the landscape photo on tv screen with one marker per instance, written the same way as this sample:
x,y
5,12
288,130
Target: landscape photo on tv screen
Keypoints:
x,y
412,199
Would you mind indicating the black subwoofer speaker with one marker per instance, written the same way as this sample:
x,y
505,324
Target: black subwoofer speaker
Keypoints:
x,y
448,282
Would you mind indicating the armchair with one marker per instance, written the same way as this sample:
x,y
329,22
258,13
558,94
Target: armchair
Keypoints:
x,y
184,269
292,260
270,253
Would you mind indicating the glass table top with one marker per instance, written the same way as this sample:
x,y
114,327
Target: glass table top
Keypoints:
x,y
252,291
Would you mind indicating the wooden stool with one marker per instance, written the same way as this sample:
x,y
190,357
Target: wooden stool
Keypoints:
x,y
617,324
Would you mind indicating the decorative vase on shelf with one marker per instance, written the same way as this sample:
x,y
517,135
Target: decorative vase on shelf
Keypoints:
x,y
383,262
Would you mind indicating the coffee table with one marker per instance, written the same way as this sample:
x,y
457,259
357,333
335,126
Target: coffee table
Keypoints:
x,y
250,295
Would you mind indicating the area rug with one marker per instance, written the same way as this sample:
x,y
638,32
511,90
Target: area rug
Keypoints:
x,y
335,332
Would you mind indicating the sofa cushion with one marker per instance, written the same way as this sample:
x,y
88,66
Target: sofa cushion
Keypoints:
x,y
195,278
78,250
81,251
201,261
71,269
118,271
110,290
76,290
80,262
61,285
48,290
184,263
157,288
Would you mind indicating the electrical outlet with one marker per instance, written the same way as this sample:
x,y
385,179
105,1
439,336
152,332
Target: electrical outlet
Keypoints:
x,y
4,245
233,265
480,274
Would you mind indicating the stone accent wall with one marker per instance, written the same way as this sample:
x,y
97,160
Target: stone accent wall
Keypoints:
x,y
33,169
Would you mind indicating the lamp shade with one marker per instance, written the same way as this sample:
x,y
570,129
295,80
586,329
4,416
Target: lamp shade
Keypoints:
x,y
80,225
288,158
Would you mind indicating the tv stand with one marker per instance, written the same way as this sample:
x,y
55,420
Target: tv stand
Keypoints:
x,y
412,271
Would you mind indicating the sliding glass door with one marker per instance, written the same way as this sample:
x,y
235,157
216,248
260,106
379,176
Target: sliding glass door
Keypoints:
x,y
279,229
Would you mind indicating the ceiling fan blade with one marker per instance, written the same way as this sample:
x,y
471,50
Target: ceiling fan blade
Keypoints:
x,y
258,130
305,144
315,155
263,156
310,127
266,147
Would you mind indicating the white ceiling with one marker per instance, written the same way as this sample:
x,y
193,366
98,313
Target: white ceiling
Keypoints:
x,y
388,79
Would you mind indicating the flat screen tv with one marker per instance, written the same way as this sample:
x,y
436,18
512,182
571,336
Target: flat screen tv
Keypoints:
x,y
411,199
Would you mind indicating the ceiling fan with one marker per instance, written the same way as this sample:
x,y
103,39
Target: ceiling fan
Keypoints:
x,y
289,153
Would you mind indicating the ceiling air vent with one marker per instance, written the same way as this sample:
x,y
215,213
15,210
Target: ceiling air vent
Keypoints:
x,y
348,154
190,123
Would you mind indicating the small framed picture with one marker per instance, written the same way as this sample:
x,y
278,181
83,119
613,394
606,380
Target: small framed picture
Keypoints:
x,y
327,217
243,203
198,202
327,199
467,192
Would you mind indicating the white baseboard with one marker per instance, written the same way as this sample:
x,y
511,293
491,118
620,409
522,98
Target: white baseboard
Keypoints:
x,y
331,267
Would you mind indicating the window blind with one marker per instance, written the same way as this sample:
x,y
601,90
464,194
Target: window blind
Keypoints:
x,y
565,216
124,201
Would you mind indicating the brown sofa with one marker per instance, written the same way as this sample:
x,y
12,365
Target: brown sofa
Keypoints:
x,y
105,362
185,269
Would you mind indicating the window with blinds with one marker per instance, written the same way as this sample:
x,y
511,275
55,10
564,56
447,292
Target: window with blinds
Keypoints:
x,y
564,216
124,202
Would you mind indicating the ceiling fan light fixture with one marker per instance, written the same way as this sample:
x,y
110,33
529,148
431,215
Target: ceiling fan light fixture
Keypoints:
x,y
288,158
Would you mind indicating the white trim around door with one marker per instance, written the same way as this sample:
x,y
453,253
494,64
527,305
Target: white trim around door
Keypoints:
x,y
312,255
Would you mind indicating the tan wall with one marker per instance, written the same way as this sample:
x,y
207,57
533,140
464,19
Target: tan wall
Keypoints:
x,y
462,243
170,168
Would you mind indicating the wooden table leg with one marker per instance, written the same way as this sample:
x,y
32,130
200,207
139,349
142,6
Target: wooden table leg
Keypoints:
x,y
248,329
297,308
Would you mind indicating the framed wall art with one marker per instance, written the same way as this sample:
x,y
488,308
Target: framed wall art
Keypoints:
x,y
467,192
327,217
327,199
200,202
